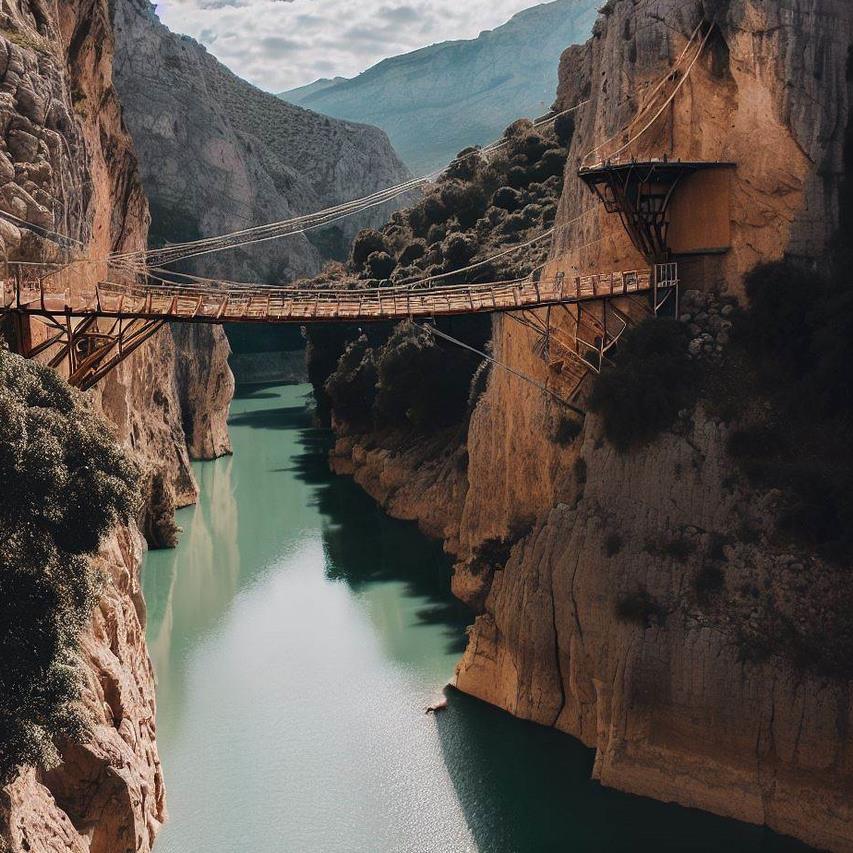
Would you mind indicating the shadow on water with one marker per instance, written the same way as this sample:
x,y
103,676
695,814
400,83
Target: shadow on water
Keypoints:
x,y
525,788
363,545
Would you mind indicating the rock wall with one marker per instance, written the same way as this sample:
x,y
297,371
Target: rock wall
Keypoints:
x,y
674,710
70,189
676,700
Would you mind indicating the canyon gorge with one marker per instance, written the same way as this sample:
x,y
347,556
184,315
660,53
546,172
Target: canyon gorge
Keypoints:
x,y
638,598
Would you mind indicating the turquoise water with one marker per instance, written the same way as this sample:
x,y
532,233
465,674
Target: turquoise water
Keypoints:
x,y
297,636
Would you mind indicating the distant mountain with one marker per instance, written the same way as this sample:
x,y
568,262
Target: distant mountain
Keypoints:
x,y
437,100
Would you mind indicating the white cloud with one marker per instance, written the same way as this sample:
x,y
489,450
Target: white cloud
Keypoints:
x,y
280,44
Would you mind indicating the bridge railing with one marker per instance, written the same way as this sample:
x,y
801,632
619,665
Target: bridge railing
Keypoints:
x,y
208,301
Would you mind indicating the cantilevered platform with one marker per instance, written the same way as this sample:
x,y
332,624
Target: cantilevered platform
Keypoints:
x,y
643,194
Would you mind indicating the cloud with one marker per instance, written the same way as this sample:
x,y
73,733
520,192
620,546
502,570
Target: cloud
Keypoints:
x,y
281,44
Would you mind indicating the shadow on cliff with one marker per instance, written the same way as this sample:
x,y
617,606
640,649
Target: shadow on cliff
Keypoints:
x,y
528,788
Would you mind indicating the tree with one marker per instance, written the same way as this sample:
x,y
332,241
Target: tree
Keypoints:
x,y
365,244
352,387
65,484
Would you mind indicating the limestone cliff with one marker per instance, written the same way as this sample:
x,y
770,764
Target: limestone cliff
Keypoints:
x,y
70,189
675,702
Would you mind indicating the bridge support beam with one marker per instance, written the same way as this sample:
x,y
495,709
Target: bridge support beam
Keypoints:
x,y
86,351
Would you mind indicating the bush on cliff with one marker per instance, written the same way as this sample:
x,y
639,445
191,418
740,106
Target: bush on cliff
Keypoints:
x,y
65,483
351,389
420,382
652,380
793,349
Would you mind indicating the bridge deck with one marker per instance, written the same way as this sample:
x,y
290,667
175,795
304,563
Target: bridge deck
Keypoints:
x,y
211,304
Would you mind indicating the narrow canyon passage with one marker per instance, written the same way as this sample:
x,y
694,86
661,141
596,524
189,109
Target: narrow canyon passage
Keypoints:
x,y
298,634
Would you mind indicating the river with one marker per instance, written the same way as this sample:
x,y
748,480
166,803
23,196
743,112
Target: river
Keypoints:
x,y
298,634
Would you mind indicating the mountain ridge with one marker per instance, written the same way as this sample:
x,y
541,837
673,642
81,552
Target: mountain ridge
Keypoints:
x,y
435,101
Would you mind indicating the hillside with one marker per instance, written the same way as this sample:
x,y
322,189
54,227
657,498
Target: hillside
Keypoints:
x,y
436,101
217,155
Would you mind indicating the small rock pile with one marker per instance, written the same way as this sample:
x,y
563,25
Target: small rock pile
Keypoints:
x,y
709,318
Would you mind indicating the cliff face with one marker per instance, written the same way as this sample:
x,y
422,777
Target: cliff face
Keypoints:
x,y
68,166
675,709
438,100
676,700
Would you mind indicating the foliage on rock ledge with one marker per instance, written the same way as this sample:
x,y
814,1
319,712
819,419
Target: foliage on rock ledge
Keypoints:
x,y
793,399
479,207
653,379
65,484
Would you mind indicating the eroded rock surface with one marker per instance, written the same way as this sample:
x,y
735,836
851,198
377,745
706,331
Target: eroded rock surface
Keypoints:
x,y
68,177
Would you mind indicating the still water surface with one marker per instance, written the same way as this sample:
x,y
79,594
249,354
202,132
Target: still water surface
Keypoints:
x,y
297,635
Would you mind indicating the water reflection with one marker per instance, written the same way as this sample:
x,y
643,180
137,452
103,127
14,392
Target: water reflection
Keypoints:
x,y
297,634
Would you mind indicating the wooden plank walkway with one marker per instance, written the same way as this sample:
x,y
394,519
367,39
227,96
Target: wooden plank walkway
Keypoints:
x,y
224,304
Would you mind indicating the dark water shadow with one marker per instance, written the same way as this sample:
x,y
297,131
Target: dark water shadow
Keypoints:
x,y
528,789
363,545
280,418
257,391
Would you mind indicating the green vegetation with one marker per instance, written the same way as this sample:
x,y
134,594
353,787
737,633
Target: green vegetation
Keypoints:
x,y
652,380
791,360
479,206
65,484
710,580
566,429
410,380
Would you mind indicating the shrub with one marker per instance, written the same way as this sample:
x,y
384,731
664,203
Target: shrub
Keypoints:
x,y
532,213
552,163
458,250
436,234
467,202
514,223
418,382
479,382
564,127
65,484
533,146
508,198
566,430
380,265
518,176
640,608
465,166
351,389
412,252
652,381
365,244
709,581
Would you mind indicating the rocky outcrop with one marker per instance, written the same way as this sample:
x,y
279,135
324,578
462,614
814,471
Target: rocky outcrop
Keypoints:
x,y
440,99
70,189
674,703
645,612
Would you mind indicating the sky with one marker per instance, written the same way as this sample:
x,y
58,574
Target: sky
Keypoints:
x,y
281,44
